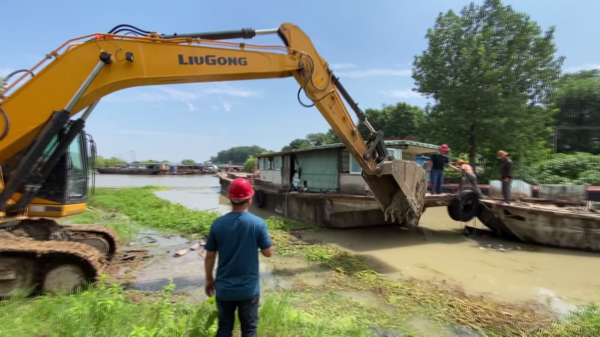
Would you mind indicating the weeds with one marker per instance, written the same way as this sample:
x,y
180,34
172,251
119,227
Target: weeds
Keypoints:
x,y
104,311
123,225
142,206
584,322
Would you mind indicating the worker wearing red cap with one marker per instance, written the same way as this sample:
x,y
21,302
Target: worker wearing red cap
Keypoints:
x,y
237,236
438,162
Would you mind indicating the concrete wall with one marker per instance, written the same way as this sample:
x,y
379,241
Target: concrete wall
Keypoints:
x,y
272,176
352,184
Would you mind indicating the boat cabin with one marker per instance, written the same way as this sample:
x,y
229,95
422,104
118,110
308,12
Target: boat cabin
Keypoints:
x,y
328,168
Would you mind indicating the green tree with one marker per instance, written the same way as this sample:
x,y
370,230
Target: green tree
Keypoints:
x,y
294,144
249,164
396,121
313,139
320,138
489,70
98,162
114,161
188,162
578,99
237,155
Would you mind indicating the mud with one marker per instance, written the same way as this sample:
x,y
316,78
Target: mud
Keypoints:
x,y
155,266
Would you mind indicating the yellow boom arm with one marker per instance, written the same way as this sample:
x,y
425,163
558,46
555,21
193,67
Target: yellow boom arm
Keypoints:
x,y
82,73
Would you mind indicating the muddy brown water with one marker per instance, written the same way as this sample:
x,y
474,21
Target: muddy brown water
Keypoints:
x,y
435,250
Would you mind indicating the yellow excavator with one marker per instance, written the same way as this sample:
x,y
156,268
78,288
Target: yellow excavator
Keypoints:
x,y
44,149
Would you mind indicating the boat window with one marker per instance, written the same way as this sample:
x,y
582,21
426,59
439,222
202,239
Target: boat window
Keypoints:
x,y
397,153
277,163
354,166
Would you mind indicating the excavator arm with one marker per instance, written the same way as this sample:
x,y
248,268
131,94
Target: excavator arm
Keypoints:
x,y
84,70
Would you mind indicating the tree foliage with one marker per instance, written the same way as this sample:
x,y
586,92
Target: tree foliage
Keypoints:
x,y
188,162
104,162
313,139
152,161
489,71
237,155
579,169
249,164
396,121
578,99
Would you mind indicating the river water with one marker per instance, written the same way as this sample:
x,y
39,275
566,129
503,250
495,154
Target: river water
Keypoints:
x,y
435,250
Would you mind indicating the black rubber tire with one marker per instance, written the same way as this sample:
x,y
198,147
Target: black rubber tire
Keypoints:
x,y
471,206
261,198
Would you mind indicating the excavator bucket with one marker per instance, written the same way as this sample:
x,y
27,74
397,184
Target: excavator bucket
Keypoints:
x,y
400,189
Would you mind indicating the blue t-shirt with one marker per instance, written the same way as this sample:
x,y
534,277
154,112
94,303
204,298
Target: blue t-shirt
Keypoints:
x,y
237,236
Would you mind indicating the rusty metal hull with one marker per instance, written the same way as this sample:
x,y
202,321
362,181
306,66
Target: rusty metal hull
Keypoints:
x,y
544,224
329,209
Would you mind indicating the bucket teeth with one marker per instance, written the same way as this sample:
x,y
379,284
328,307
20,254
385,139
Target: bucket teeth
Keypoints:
x,y
400,191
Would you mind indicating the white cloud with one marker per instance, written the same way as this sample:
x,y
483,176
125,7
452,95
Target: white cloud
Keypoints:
x,y
375,73
189,136
226,106
401,93
192,107
191,93
586,67
338,66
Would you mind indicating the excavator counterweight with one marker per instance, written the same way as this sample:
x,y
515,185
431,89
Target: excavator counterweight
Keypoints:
x,y
44,148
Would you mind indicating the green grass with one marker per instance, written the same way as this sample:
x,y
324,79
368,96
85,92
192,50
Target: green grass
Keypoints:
x,y
584,322
440,303
141,205
123,225
107,310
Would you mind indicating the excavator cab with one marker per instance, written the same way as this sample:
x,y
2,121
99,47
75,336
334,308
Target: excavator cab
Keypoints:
x,y
67,183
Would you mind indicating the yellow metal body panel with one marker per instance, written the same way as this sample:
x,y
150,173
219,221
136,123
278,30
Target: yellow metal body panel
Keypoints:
x,y
55,210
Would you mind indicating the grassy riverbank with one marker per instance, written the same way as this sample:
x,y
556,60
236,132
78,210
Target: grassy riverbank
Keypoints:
x,y
306,312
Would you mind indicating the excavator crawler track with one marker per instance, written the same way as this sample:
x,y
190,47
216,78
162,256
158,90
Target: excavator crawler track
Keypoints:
x,y
102,238
51,266
80,232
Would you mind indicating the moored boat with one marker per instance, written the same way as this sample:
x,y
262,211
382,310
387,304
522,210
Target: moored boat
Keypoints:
x,y
565,219
129,171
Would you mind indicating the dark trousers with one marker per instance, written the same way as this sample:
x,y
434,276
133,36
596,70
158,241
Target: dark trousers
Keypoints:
x,y
247,313
472,179
506,189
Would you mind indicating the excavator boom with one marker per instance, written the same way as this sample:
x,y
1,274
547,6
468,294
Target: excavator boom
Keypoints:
x,y
84,70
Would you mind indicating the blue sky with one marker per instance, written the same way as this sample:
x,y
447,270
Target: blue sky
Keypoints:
x,y
371,47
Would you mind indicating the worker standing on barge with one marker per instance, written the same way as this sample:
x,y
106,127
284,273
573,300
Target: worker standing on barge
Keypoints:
x,y
438,163
506,172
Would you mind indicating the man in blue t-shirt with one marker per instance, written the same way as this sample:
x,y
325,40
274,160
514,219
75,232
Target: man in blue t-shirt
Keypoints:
x,y
237,236
438,161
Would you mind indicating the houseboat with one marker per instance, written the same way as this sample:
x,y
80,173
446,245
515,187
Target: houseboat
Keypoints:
x,y
323,184
135,169
561,216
